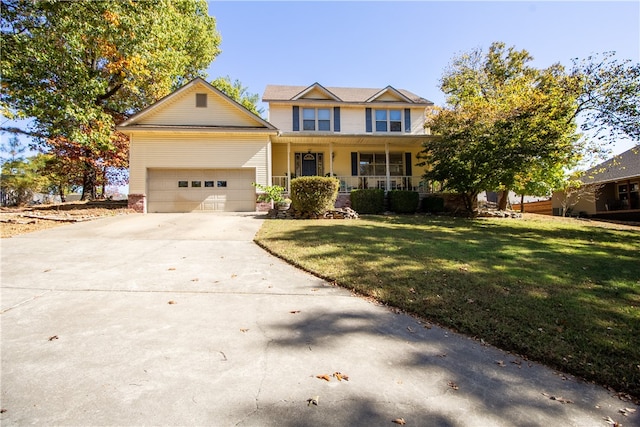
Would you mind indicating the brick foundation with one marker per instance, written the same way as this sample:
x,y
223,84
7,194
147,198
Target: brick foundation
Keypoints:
x,y
264,206
138,202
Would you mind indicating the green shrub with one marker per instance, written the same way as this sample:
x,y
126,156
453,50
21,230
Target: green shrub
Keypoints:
x,y
369,201
401,201
432,204
314,194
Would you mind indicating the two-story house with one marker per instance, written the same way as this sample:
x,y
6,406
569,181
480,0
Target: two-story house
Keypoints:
x,y
197,149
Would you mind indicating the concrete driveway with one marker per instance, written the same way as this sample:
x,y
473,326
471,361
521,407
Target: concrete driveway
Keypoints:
x,y
179,319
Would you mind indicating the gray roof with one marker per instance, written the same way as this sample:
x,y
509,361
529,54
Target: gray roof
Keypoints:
x,y
344,94
623,166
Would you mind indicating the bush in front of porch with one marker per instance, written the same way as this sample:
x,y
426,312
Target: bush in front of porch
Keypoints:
x,y
314,194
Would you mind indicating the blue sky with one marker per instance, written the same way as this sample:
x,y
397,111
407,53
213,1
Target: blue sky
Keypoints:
x,y
407,45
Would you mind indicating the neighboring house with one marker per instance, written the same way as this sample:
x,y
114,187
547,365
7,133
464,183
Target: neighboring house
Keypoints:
x,y
197,149
617,194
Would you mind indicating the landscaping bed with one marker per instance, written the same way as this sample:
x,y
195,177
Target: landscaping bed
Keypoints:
x,y
16,221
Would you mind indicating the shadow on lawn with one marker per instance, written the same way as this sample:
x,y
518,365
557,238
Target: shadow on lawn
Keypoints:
x,y
567,296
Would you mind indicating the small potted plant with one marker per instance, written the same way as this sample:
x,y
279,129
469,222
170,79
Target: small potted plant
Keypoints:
x,y
273,194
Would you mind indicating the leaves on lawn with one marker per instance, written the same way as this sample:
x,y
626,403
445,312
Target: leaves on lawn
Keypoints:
x,y
557,398
313,400
400,421
55,337
453,385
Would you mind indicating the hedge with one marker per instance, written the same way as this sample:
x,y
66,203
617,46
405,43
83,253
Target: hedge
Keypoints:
x,y
403,202
368,201
314,194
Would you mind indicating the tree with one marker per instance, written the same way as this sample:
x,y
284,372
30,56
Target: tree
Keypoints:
x,y
502,119
573,190
608,96
239,93
19,180
76,68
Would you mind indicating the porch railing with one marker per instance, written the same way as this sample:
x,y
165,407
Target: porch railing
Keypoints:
x,y
348,183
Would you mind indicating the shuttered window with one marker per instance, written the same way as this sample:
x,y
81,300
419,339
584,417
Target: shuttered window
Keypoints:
x,y
296,119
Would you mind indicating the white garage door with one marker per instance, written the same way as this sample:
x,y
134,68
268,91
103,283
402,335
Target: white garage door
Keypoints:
x,y
189,190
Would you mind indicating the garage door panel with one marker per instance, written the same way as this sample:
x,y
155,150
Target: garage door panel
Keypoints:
x,y
219,190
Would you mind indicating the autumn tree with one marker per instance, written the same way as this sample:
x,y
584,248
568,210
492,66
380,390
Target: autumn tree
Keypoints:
x,y
238,93
503,117
77,68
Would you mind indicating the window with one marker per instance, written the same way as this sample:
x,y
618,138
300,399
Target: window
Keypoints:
x,y
388,121
183,184
316,118
208,184
374,164
222,183
201,100
196,183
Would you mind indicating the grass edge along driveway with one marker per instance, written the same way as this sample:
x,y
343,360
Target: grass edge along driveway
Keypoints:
x,y
564,293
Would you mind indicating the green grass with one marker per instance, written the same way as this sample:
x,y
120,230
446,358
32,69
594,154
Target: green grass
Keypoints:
x,y
564,293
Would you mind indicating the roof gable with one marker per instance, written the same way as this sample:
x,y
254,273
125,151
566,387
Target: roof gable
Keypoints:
x,y
282,93
316,91
179,109
389,94
623,166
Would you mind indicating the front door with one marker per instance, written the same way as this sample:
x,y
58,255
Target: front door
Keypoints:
x,y
309,164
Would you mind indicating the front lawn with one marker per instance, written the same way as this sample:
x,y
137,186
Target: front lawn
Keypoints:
x,y
566,293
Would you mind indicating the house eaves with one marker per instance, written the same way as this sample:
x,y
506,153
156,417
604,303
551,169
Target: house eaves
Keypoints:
x,y
316,86
622,167
388,89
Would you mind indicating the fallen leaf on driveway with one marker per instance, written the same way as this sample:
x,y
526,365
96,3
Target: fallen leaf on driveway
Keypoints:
x,y
294,311
557,398
172,302
500,363
612,422
313,401
171,268
243,330
55,337
400,421
453,385
626,411
324,377
410,329
340,376
195,280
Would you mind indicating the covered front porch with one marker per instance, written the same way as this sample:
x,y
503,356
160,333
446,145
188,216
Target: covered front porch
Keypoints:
x,y
358,162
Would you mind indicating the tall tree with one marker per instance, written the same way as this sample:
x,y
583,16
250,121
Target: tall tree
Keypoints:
x,y
503,118
239,93
76,68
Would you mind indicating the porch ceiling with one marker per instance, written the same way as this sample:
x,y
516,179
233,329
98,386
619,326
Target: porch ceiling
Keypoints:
x,y
341,139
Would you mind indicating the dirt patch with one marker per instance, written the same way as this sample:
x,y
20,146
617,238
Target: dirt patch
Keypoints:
x,y
16,221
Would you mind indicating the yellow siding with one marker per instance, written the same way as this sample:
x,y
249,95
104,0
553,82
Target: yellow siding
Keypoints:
x,y
195,151
352,118
182,110
342,157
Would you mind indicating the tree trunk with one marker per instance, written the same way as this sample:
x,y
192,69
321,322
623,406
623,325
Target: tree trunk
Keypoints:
x,y
503,198
63,198
88,182
470,202
522,203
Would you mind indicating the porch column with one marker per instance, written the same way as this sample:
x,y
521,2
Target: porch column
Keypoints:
x,y
289,167
331,159
269,164
386,153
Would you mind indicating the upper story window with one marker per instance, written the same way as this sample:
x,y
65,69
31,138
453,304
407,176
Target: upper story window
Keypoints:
x,y
388,121
316,119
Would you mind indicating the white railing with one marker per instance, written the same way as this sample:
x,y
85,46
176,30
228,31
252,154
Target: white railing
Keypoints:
x,y
348,183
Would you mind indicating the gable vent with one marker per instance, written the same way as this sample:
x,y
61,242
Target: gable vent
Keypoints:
x,y
201,100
